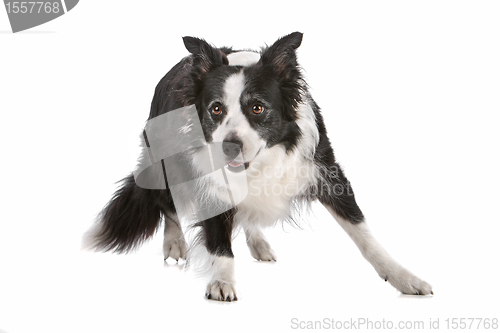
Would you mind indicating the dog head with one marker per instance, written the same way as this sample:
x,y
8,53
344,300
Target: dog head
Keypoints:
x,y
247,101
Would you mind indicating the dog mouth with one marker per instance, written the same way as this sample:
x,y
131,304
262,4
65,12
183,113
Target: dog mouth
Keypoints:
x,y
238,164
235,164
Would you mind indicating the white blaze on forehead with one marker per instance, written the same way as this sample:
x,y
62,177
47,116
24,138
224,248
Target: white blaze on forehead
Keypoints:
x,y
233,88
244,58
235,121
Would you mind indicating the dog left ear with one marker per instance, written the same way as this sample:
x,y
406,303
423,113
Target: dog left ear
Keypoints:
x,y
282,58
205,56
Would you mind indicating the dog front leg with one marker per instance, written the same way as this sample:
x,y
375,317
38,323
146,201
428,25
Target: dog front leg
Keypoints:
x,y
217,234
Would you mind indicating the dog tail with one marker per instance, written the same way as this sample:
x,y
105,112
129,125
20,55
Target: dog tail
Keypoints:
x,y
132,216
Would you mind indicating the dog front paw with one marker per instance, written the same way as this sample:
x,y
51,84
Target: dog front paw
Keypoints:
x,y
221,291
407,283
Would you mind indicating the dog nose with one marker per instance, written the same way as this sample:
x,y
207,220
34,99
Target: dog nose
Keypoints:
x,y
232,147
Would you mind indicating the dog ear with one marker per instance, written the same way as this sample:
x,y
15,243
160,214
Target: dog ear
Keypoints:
x,y
205,56
282,58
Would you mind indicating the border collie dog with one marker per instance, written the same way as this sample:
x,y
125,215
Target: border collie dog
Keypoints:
x,y
233,141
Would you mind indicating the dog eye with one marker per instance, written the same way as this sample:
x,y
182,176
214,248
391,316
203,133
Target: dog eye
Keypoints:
x,y
216,109
258,109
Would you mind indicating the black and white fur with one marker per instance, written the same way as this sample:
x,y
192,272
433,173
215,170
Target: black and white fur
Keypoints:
x,y
284,147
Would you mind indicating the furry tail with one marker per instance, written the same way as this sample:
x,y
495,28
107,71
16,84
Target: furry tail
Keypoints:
x,y
131,217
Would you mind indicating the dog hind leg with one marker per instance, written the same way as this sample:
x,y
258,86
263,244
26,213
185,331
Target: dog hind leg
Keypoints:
x,y
174,244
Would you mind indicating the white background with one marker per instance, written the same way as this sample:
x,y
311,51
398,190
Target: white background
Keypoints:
x,y
410,95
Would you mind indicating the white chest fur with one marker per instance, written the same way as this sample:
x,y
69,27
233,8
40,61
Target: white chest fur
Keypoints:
x,y
275,180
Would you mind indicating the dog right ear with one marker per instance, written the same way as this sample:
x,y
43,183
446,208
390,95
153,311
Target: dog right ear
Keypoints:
x,y
205,56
